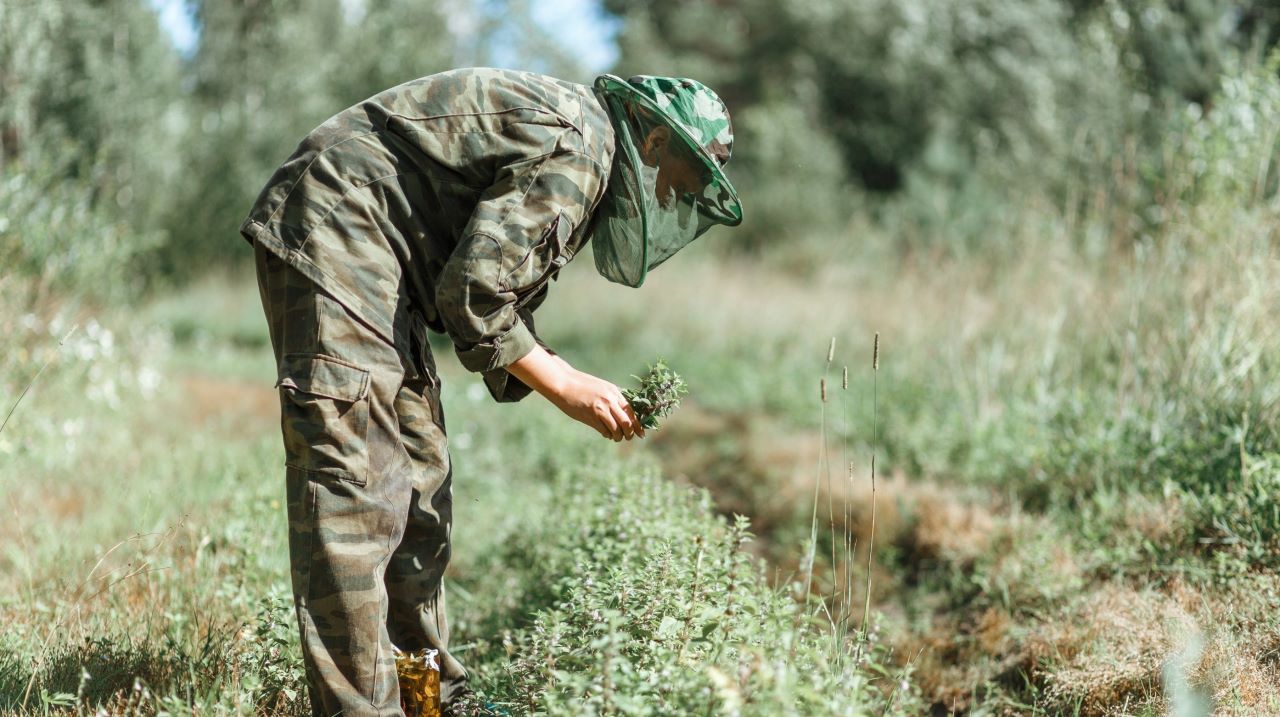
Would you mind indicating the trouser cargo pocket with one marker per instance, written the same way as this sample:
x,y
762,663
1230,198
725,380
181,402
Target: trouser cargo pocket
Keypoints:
x,y
324,413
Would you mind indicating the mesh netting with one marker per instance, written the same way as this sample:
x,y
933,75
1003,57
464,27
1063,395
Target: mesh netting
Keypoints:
x,y
658,203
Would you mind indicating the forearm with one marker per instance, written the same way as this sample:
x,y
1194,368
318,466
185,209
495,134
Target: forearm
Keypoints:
x,y
563,364
542,371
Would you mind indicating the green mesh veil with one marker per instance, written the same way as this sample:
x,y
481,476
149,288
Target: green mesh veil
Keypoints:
x,y
637,227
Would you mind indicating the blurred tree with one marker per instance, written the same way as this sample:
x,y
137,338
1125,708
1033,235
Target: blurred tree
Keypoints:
x,y
408,39
71,85
1177,50
27,57
986,73
891,74
745,49
89,129
882,76
931,96
753,53
261,76
505,33
265,73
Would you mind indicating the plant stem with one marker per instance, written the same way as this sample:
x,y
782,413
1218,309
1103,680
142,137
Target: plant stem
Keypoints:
x,y
871,542
31,383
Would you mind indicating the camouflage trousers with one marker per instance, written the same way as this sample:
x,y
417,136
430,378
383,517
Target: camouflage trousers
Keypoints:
x,y
368,482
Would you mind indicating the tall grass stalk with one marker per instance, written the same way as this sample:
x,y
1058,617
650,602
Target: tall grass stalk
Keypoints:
x,y
822,471
848,539
871,539
831,515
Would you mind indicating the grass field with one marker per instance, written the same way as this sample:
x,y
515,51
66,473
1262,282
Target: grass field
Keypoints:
x,y
145,567
1054,490
1076,510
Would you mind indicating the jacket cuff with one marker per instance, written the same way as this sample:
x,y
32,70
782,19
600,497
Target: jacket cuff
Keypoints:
x,y
503,387
499,352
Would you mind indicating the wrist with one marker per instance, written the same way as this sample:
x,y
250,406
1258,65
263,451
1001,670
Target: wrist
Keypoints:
x,y
558,381
540,371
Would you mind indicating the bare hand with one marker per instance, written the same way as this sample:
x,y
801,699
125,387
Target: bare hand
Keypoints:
x,y
583,397
599,404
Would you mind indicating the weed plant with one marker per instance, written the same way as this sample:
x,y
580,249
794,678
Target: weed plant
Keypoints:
x,y
156,580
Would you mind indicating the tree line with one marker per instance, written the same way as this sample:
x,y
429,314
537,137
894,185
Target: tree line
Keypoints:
x,y
123,156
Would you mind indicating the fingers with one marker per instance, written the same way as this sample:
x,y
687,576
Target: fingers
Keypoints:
x,y
612,416
624,416
625,429
610,424
636,425
619,422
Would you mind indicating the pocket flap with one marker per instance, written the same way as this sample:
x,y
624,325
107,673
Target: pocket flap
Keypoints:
x,y
324,376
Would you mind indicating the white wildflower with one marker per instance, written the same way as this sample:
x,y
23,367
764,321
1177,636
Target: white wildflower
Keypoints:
x,y
148,381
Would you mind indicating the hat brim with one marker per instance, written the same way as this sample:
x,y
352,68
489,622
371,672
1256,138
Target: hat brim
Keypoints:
x,y
616,85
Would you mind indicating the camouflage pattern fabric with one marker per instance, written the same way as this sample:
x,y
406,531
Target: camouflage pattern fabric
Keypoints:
x,y
447,204
456,196
368,484
694,108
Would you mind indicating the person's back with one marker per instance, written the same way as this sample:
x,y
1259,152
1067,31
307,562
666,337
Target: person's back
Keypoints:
x,y
373,203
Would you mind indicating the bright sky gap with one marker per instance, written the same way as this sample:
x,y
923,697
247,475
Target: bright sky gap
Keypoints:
x,y
580,26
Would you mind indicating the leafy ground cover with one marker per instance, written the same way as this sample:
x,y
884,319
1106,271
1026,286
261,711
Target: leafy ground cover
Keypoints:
x,y
145,567
1079,452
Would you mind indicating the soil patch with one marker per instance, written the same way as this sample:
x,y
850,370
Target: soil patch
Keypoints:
x,y
242,407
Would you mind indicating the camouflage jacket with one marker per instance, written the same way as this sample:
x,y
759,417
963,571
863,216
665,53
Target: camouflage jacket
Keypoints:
x,y
449,201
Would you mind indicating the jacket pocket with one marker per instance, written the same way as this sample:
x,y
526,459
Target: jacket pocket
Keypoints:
x,y
324,409
564,246
544,260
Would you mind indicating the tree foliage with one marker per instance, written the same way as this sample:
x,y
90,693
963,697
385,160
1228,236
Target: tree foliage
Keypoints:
x,y
1041,92
156,155
87,136
265,73
941,107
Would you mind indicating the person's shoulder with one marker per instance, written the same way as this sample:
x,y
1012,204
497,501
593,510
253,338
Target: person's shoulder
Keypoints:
x,y
517,95
572,102
595,127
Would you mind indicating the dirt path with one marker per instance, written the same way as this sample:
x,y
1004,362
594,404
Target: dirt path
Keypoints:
x,y
242,407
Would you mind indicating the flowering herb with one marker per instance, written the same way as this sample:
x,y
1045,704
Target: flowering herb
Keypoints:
x,y
658,396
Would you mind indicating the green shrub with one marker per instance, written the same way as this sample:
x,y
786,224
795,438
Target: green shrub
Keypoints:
x,y
790,177
57,236
655,609
1241,526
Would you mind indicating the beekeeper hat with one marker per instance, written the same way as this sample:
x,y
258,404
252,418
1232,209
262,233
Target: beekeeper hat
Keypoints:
x,y
634,230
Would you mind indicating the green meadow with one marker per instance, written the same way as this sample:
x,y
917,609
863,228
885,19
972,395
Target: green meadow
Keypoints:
x,y
984,395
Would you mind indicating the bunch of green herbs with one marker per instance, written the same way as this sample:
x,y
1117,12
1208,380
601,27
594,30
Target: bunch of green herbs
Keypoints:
x,y
658,396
